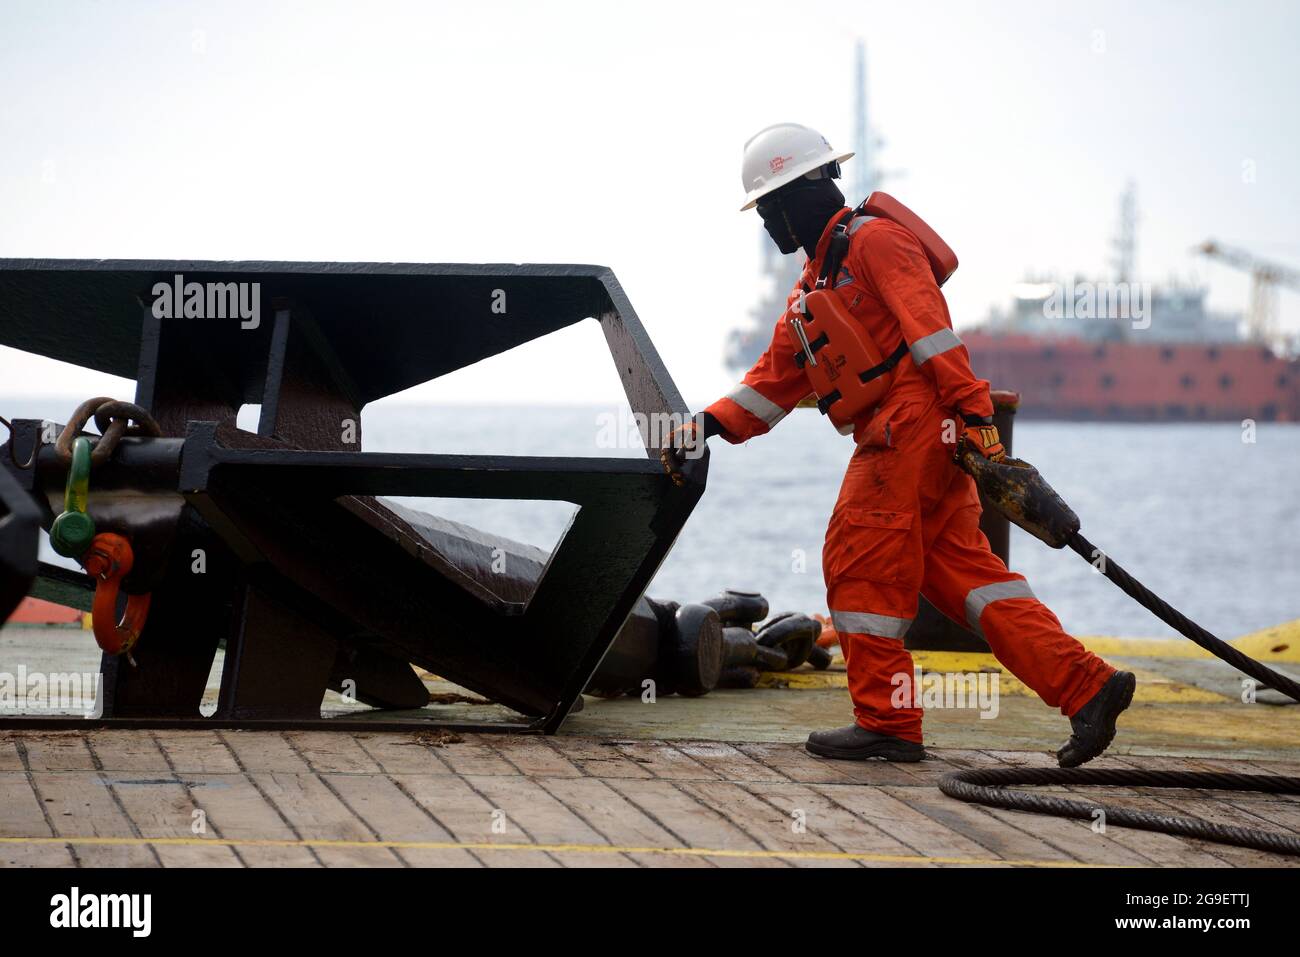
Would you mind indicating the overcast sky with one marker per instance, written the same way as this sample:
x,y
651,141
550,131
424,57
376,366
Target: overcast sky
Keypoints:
x,y
611,133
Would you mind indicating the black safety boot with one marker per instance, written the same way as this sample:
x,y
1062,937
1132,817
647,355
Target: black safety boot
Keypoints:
x,y
855,743
1094,723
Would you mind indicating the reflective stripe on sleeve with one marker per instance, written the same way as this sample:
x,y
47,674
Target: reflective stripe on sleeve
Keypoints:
x,y
977,599
857,222
937,343
756,404
865,623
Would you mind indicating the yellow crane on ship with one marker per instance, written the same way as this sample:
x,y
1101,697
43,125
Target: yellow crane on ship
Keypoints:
x,y
1265,277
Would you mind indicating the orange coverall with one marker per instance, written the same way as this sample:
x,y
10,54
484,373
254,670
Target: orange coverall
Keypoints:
x,y
907,518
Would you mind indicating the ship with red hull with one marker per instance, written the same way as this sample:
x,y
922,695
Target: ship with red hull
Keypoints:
x,y
1129,381
1179,363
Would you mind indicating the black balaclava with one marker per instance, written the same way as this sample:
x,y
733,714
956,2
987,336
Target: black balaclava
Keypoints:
x,y
797,213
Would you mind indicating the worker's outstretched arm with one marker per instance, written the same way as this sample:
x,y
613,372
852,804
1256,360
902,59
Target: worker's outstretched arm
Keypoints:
x,y
763,398
896,263
765,395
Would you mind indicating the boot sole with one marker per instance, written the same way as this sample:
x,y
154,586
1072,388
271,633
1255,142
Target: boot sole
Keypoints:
x,y
1123,698
887,752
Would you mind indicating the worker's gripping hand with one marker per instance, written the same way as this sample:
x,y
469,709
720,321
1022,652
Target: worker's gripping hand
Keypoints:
x,y
684,443
982,436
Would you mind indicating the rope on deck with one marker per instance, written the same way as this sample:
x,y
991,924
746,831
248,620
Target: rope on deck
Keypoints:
x,y
988,786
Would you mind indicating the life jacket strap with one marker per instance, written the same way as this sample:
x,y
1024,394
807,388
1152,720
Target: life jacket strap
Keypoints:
x,y
801,357
838,248
894,359
828,400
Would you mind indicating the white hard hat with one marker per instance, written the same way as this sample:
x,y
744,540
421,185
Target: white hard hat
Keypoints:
x,y
780,154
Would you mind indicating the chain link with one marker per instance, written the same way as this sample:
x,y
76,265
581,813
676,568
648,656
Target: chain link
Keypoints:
x,y
114,419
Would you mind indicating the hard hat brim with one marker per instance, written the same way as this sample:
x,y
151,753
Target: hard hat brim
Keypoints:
x,y
789,176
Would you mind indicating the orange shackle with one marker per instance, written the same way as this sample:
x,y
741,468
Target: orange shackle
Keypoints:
x,y
108,560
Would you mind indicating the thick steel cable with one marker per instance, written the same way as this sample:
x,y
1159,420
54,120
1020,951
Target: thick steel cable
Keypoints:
x,y
1181,623
988,786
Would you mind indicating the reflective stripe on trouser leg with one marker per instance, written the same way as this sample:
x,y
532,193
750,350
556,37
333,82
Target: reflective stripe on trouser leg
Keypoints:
x,y
865,623
757,404
880,673
977,599
1027,639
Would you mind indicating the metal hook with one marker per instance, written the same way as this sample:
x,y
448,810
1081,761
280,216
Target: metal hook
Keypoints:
x,y
12,458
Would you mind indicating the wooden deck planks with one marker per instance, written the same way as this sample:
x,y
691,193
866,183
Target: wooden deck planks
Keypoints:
x,y
226,798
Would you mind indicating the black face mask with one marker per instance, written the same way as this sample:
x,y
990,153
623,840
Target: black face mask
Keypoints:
x,y
796,214
778,227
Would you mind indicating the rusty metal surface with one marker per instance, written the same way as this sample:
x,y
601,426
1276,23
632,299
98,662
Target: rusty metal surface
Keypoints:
x,y
1017,491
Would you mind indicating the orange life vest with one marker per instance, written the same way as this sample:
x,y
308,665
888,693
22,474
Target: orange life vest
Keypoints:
x,y
943,261
837,354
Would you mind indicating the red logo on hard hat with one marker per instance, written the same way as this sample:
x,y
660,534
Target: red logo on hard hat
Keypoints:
x,y
778,163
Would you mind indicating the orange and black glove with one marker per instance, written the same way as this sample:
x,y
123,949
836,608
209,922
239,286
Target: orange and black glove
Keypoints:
x,y
981,435
687,442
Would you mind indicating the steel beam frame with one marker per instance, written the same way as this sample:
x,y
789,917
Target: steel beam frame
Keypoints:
x,y
290,559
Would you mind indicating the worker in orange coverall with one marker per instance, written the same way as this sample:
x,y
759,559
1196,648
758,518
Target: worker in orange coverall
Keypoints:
x,y
907,518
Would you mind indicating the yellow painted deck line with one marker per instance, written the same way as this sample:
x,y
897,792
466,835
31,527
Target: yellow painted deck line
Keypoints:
x,y
1153,687
539,848
802,680
1279,643
1142,647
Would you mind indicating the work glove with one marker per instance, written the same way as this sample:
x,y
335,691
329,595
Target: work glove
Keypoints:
x,y
981,435
684,443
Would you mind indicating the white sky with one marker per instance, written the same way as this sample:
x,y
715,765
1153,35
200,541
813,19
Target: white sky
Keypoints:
x,y
611,133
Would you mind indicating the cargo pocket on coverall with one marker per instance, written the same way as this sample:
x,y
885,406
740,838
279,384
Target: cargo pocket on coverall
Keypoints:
x,y
867,544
